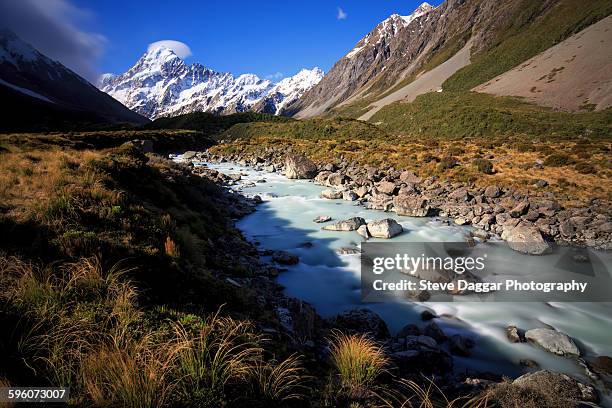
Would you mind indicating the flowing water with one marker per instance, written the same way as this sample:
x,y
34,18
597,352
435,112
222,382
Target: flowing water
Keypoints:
x,y
331,282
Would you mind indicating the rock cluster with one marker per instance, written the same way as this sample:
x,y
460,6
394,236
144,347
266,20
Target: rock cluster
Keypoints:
x,y
529,223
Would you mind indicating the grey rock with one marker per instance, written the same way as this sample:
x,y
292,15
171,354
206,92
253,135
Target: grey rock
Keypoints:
x,y
520,209
433,330
352,224
361,191
513,334
460,345
386,228
331,194
322,218
411,206
299,167
461,221
553,341
336,179
526,239
409,330
409,177
363,231
492,191
386,187
349,196
361,321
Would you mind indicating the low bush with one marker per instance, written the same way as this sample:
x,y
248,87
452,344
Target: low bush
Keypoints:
x,y
585,168
483,166
557,160
448,162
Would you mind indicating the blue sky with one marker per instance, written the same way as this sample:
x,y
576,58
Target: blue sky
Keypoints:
x,y
265,38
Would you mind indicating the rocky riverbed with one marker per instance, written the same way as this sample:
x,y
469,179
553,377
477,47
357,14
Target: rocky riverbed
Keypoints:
x,y
433,341
496,210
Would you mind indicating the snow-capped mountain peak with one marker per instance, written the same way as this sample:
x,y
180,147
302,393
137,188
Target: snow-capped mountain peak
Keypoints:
x,y
289,90
161,84
388,28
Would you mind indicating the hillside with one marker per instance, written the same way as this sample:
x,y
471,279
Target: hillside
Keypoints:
x,y
39,93
501,36
572,75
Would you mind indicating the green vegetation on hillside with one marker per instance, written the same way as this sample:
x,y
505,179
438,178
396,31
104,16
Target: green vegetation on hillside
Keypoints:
x,y
533,30
109,283
319,128
209,123
457,115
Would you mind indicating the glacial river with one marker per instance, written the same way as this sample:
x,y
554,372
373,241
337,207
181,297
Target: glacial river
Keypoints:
x,y
331,282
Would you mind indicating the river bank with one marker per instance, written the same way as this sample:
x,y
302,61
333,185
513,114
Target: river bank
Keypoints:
x,y
327,279
495,209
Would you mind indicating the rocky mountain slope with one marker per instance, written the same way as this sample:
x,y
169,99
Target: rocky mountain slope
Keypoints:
x,y
36,89
401,49
572,75
162,84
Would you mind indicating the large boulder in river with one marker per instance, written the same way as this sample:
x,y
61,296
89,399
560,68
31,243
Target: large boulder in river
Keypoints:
x,y
553,341
361,321
387,228
331,194
526,239
299,167
352,224
411,206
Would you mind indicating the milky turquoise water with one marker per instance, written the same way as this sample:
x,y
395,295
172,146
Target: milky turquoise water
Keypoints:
x,y
331,282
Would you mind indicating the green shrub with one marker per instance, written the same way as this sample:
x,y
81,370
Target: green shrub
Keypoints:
x,y
557,160
448,163
483,166
585,168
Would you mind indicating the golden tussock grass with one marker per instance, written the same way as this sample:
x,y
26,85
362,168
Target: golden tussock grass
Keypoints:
x,y
359,361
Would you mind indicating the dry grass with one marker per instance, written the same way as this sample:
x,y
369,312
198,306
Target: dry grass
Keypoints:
x,y
408,394
221,351
134,374
359,361
513,165
280,382
171,248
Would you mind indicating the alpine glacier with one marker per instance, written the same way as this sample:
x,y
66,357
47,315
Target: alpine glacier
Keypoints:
x,y
162,84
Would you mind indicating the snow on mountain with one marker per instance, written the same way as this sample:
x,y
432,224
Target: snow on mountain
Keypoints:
x,y
161,84
289,90
388,28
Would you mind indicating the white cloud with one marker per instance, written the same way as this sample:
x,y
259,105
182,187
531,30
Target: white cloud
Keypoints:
x,y
54,28
275,76
181,49
341,14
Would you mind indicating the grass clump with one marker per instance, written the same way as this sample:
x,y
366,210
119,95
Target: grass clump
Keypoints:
x,y
359,361
557,160
483,165
585,168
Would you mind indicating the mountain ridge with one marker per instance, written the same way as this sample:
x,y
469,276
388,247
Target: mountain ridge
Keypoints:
x,y
501,36
162,84
35,82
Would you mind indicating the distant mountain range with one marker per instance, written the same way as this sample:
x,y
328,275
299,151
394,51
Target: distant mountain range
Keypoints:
x,y
162,84
38,92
